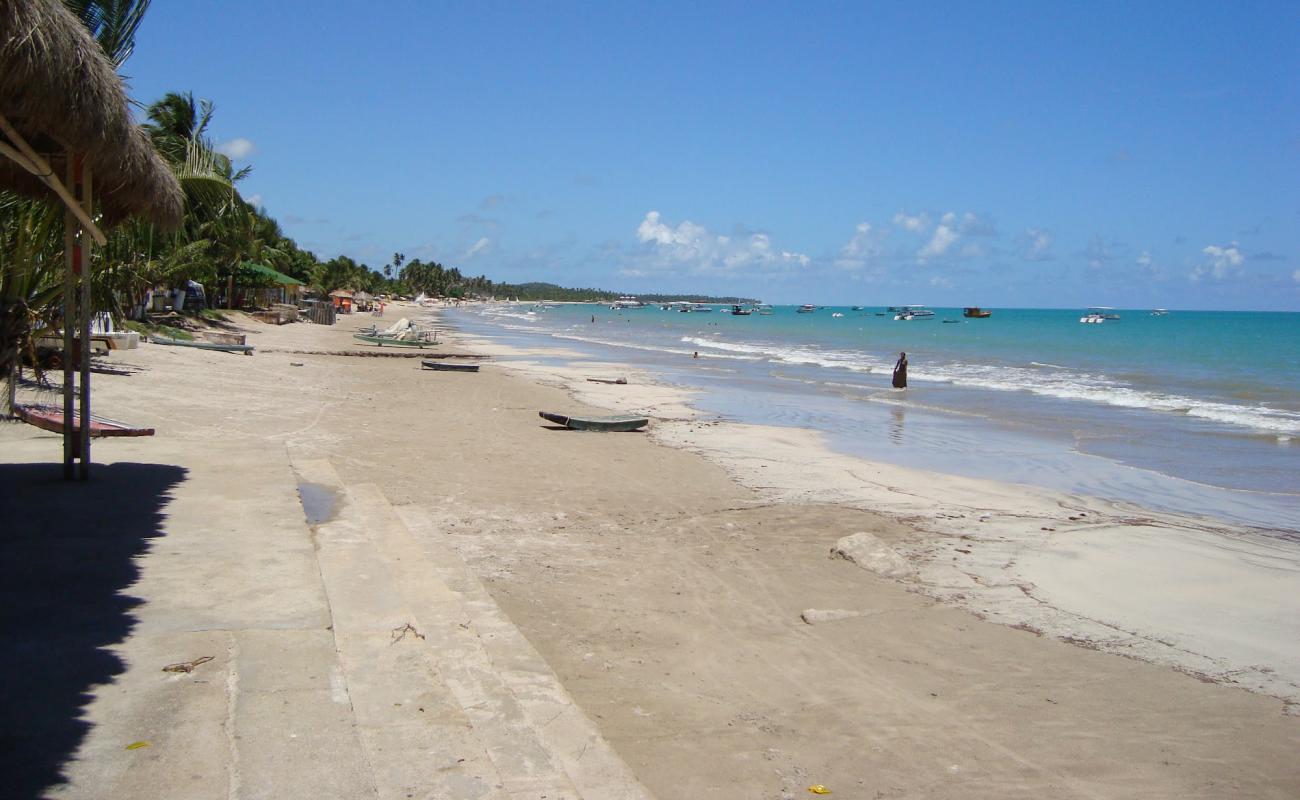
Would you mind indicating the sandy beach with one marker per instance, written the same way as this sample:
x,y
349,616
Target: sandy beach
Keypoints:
x,y
968,639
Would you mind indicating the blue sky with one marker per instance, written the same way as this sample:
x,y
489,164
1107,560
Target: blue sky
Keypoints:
x,y
1002,154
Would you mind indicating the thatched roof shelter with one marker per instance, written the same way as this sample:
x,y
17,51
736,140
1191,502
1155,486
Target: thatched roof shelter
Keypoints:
x,y
59,93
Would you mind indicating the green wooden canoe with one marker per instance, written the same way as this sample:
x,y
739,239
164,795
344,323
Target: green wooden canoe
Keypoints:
x,y
620,422
225,348
388,341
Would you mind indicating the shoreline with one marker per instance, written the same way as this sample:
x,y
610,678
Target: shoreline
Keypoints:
x,y
1031,540
700,624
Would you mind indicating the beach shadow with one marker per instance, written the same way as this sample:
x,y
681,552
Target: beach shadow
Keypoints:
x,y
70,561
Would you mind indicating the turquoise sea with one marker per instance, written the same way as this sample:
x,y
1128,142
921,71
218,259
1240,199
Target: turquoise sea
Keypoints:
x,y
1195,411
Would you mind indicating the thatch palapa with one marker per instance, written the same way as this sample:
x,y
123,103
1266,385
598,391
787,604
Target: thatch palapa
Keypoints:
x,y
61,93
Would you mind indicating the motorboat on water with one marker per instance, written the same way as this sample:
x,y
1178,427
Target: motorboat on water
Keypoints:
x,y
627,301
1159,312
1098,314
741,311
765,310
975,312
805,309
910,313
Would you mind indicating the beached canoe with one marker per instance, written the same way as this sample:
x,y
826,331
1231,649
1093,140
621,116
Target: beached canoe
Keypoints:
x,y
50,418
445,367
388,341
220,346
620,422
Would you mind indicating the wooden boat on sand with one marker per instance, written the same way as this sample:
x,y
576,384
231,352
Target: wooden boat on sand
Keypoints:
x,y
619,422
223,347
388,341
445,367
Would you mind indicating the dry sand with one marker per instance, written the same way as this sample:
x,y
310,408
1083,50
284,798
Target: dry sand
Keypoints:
x,y
688,598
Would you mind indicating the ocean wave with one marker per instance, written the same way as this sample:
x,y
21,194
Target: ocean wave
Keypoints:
x,y
1045,380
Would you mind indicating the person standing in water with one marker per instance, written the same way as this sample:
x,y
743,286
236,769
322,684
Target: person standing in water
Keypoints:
x,y
900,372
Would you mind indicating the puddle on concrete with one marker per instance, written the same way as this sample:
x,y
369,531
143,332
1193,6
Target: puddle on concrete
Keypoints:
x,y
319,503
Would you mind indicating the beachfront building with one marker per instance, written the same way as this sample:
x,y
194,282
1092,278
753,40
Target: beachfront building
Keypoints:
x,y
67,137
262,286
342,299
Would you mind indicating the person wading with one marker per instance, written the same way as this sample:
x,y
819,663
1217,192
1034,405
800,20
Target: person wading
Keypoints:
x,y
900,372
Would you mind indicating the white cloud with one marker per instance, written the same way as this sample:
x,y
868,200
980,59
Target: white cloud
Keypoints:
x,y
696,249
1221,262
976,225
238,149
859,250
918,223
1295,276
945,234
255,201
1097,253
1036,244
483,245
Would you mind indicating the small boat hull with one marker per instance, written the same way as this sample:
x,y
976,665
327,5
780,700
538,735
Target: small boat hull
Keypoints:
x,y
445,367
198,345
618,423
383,341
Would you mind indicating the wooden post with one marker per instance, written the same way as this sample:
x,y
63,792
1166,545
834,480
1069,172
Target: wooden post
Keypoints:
x,y
85,196
76,324
70,270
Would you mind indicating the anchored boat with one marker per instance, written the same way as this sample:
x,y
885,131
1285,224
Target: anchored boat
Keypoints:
x,y
909,313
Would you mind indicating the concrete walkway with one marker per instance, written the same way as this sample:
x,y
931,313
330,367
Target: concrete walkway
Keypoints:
x,y
357,658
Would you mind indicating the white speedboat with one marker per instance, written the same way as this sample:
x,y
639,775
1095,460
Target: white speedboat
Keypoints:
x,y
1098,314
910,313
805,309
627,301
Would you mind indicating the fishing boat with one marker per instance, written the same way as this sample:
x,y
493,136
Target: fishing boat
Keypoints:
x,y
741,311
765,310
388,341
1098,314
219,346
975,312
627,301
618,423
909,313
857,308
445,367
50,418
1159,312
805,309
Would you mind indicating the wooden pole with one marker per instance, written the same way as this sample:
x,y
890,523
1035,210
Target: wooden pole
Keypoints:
x,y
70,270
85,245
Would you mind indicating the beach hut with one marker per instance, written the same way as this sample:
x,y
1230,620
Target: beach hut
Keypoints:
x,y
264,286
363,301
342,299
67,137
